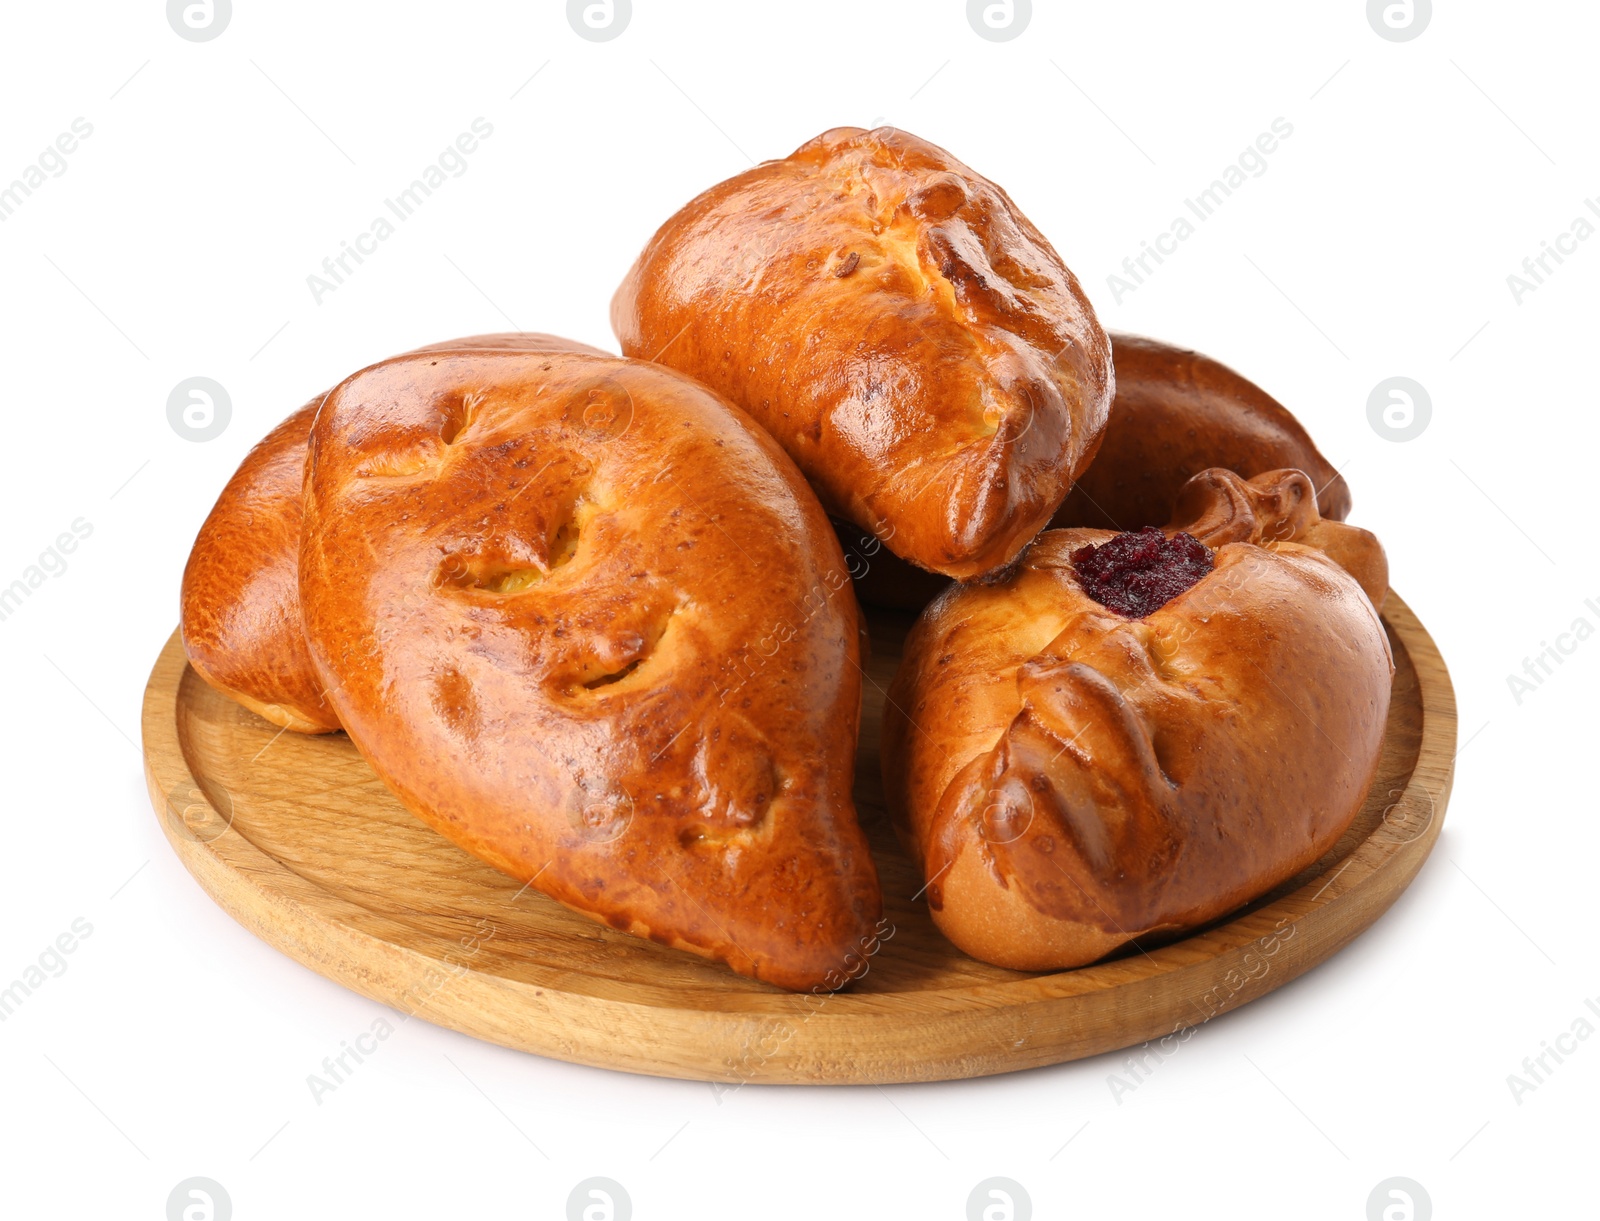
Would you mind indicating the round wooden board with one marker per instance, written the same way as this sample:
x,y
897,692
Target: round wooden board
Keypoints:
x,y
298,841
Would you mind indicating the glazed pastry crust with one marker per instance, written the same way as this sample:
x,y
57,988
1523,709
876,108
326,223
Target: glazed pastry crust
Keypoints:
x,y
240,606
1218,506
906,334
588,622
1071,780
239,610
1177,413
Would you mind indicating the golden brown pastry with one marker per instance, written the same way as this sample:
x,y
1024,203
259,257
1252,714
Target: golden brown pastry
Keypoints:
x,y
899,326
586,620
1219,506
1135,733
240,605
1177,413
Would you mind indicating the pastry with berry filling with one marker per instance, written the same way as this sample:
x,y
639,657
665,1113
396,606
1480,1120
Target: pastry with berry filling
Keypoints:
x,y
1136,733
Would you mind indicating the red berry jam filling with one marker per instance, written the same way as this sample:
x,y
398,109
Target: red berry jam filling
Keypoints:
x,y
1140,571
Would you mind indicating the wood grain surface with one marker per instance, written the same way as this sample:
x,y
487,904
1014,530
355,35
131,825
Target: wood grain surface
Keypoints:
x,y
296,839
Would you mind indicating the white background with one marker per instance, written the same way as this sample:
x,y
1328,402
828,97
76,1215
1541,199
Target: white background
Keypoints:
x,y
177,243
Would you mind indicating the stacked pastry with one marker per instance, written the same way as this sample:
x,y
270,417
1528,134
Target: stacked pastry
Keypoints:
x,y
587,616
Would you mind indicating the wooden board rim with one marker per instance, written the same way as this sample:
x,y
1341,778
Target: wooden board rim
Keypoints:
x,y
847,1037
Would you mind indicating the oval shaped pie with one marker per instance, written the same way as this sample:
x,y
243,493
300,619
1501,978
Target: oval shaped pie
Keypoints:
x,y
588,622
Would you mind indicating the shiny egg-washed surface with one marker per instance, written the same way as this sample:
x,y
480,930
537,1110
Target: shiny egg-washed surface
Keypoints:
x,y
588,622
900,327
1071,779
239,610
1177,413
